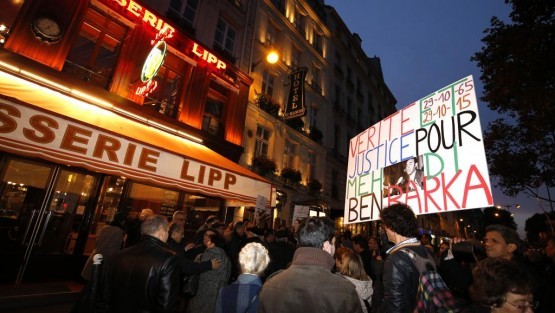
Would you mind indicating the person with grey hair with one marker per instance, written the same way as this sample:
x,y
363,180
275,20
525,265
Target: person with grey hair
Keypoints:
x,y
308,285
144,277
242,295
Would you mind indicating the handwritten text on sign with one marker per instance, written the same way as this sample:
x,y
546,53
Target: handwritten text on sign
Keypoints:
x,y
429,155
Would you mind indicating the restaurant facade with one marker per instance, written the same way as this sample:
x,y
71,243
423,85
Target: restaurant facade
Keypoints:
x,y
106,107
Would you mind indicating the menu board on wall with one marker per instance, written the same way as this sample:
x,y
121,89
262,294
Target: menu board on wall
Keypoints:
x,y
429,155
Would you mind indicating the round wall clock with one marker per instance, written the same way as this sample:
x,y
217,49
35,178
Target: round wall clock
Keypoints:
x,y
47,29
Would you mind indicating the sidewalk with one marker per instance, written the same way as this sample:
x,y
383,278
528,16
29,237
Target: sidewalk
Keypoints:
x,y
49,297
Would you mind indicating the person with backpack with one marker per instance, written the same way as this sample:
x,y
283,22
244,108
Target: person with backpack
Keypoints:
x,y
409,267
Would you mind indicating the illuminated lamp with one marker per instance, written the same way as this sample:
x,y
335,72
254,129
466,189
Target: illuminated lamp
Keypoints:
x,y
272,58
154,61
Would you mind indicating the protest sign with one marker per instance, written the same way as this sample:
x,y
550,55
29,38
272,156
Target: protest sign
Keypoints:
x,y
429,155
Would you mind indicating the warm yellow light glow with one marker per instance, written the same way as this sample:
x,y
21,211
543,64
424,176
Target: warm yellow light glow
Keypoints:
x,y
272,57
93,99
44,80
80,97
9,66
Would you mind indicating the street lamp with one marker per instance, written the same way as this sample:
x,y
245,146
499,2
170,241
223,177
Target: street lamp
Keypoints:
x,y
508,206
272,58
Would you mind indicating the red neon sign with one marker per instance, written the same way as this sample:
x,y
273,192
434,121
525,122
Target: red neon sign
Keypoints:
x,y
208,57
147,88
164,30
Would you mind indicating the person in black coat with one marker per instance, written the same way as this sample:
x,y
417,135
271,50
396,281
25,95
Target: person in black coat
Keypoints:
x,y
144,277
187,266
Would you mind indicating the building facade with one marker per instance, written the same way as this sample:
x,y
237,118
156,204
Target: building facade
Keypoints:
x,y
112,107
344,93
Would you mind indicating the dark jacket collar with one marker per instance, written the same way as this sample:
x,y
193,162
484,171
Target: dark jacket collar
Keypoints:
x,y
313,256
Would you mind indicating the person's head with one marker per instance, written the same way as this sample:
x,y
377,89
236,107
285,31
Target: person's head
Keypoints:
x,y
313,233
399,219
296,224
176,231
211,220
212,238
501,241
359,243
239,228
118,220
411,165
253,259
156,226
220,227
269,236
179,217
373,244
145,213
353,267
426,239
502,285
339,256
550,249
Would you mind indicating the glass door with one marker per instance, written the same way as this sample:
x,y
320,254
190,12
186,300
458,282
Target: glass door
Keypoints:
x,y
23,187
57,232
41,212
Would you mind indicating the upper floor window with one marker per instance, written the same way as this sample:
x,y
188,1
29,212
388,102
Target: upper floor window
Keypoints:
x,y
190,11
213,119
318,43
268,83
168,84
312,164
289,154
94,54
185,9
300,21
295,57
336,137
313,116
262,141
224,39
271,35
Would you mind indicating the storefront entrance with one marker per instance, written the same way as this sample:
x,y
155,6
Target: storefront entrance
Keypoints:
x,y
42,209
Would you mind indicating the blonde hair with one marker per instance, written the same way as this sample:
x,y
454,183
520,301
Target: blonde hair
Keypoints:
x,y
253,259
340,254
352,266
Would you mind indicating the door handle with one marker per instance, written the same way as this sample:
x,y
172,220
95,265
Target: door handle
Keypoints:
x,y
33,214
44,228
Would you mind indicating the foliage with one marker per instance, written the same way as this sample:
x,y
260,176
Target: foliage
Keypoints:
x,y
518,73
266,103
537,224
316,134
314,186
493,215
292,176
263,165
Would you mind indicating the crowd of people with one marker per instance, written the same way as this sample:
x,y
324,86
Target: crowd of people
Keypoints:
x,y
311,267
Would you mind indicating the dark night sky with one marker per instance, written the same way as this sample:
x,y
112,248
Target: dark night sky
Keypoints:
x,y
425,45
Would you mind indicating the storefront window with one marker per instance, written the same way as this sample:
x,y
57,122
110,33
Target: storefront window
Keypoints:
x,y
94,54
159,200
112,189
22,183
